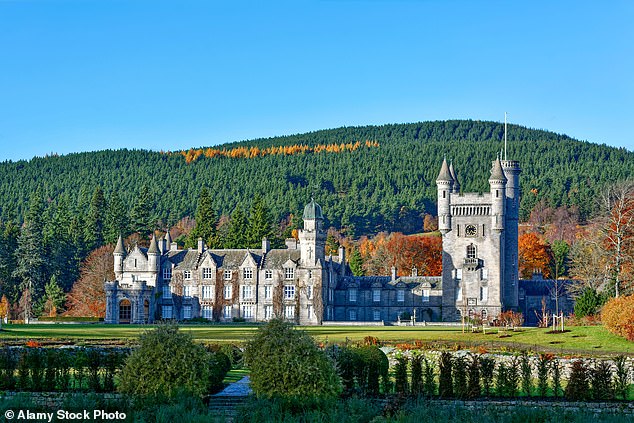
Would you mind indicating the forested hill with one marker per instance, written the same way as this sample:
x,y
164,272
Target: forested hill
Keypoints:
x,y
374,187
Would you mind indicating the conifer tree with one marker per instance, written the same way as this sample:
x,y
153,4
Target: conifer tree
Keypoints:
x,y
206,222
116,220
9,285
238,226
140,216
53,298
93,231
260,223
356,263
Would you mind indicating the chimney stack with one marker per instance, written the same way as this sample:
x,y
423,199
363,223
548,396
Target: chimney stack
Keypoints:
x,y
266,245
201,245
393,273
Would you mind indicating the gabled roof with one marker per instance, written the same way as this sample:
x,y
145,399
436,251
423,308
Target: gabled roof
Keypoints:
x,y
275,259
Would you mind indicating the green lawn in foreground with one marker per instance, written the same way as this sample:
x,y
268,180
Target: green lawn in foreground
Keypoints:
x,y
589,339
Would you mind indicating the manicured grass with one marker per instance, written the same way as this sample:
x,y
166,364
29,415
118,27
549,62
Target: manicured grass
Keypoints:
x,y
235,375
581,339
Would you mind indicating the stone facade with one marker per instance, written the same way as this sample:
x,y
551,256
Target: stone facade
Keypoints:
x,y
302,284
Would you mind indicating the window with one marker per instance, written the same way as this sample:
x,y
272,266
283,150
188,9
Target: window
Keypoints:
x,y
247,292
376,295
459,292
226,275
187,274
309,292
208,312
227,292
289,292
471,251
207,273
268,312
484,293
484,314
289,312
226,312
331,294
289,273
352,314
309,311
376,315
167,273
268,292
268,274
458,274
485,273
247,273
247,311
187,291
400,295
426,293
352,293
166,312
187,312
167,292
207,292
310,274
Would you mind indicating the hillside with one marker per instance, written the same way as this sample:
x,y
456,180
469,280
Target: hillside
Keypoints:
x,y
368,189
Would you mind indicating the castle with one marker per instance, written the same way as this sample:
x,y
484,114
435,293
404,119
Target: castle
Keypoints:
x,y
302,284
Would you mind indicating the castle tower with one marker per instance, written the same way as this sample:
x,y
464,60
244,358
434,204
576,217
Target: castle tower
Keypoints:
x,y
497,181
445,184
456,184
312,238
153,254
119,255
512,171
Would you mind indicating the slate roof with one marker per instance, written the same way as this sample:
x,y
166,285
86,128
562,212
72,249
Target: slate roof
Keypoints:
x,y
411,282
444,174
496,171
274,259
542,287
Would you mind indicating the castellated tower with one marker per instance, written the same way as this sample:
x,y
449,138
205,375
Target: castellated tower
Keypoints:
x,y
479,231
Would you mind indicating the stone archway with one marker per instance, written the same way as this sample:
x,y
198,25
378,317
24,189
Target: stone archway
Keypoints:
x,y
125,311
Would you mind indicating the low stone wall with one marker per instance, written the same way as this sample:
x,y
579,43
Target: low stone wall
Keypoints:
x,y
557,407
55,400
355,323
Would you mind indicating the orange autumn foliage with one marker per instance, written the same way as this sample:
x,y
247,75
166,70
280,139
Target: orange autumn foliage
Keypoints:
x,y
193,154
618,316
534,254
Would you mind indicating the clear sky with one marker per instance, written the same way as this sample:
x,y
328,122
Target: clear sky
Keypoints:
x,y
83,75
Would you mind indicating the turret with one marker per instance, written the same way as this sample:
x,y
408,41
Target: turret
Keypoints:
x,y
153,255
119,255
444,182
312,238
497,181
512,172
456,185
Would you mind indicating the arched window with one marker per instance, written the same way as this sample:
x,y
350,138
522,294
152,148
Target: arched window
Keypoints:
x,y
484,314
125,311
471,251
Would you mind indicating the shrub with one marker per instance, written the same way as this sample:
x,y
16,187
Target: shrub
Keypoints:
x,y
618,316
429,377
487,369
543,365
578,388
473,376
621,377
400,375
417,375
445,379
601,381
526,374
7,369
588,303
556,371
167,362
460,377
285,362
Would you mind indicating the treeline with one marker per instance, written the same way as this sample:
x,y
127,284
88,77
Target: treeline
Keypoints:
x,y
364,191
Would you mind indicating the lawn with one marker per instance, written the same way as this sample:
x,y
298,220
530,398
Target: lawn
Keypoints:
x,y
582,339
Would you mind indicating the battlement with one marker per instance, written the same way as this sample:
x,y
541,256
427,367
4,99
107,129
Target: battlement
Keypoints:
x,y
511,165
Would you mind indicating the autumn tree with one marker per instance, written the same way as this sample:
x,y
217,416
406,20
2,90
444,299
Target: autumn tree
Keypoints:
x,y
589,263
430,223
617,203
88,296
533,254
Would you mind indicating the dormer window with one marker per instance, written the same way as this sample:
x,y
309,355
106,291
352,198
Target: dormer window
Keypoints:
x,y
167,273
247,273
400,295
207,273
187,274
289,273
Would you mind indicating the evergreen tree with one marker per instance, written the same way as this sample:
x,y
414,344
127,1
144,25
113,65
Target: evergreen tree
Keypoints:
x,y
32,263
9,285
53,299
140,216
238,227
356,263
206,222
260,223
93,231
116,220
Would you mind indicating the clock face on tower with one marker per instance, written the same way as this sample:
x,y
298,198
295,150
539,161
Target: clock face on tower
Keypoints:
x,y
471,230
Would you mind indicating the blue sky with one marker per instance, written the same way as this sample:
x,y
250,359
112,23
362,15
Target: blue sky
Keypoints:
x,y
83,75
